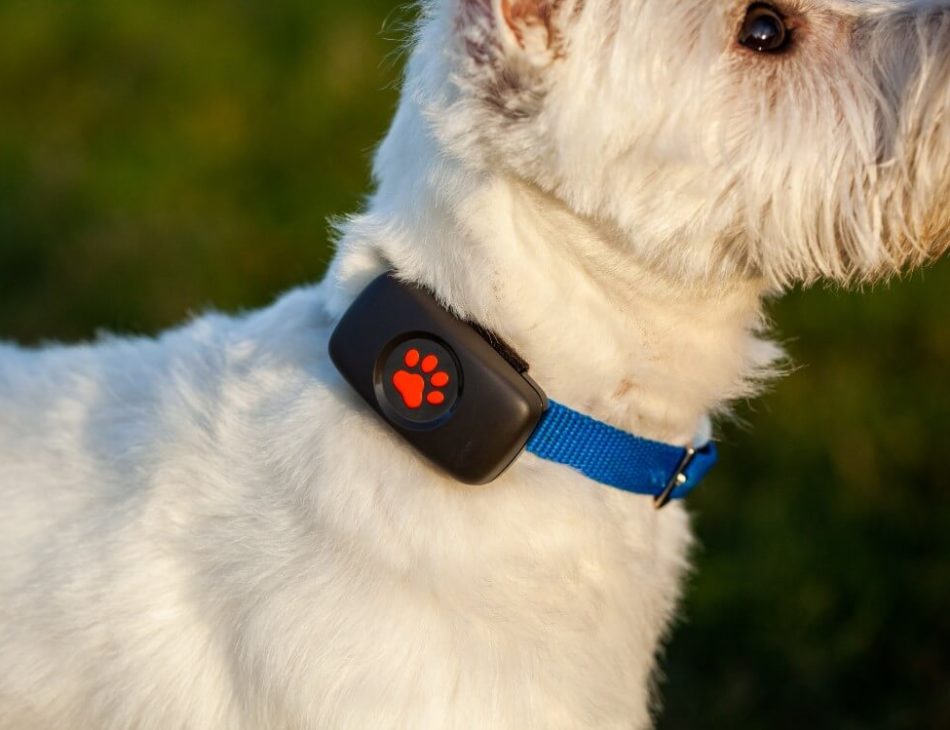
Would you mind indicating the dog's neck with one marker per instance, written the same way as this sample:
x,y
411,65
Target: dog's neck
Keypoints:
x,y
630,346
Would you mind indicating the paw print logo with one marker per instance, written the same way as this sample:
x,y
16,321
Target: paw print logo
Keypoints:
x,y
421,381
418,382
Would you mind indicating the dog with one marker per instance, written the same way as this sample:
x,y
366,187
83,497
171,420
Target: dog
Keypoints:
x,y
211,529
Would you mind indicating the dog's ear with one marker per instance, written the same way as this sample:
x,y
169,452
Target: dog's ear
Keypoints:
x,y
530,30
530,25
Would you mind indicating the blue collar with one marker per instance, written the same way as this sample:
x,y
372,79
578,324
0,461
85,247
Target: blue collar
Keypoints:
x,y
620,459
463,398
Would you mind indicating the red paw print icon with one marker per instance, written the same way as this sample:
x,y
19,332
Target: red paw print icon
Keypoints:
x,y
421,381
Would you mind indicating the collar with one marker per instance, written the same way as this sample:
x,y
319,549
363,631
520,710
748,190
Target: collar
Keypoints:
x,y
463,398
620,459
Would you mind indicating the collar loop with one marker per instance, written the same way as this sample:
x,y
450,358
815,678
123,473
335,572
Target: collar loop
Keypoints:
x,y
619,459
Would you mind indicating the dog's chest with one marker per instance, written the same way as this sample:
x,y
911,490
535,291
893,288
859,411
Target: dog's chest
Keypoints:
x,y
395,598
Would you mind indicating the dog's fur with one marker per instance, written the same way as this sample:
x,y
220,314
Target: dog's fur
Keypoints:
x,y
209,530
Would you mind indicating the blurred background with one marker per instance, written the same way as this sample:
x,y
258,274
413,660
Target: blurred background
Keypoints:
x,y
160,158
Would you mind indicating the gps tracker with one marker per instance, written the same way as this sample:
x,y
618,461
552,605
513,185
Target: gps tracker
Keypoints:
x,y
456,394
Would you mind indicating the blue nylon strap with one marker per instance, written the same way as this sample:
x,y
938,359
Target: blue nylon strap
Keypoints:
x,y
614,457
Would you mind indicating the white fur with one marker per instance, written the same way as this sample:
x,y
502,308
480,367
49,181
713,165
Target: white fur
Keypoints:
x,y
209,530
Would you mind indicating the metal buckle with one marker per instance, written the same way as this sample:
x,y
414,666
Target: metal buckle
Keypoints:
x,y
678,479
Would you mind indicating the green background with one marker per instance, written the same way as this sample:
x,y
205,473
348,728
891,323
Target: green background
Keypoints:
x,y
159,158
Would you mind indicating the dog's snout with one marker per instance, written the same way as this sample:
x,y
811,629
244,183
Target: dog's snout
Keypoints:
x,y
905,46
905,59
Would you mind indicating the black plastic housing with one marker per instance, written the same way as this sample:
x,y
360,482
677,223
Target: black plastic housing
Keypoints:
x,y
484,414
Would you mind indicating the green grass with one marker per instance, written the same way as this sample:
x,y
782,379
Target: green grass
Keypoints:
x,y
158,158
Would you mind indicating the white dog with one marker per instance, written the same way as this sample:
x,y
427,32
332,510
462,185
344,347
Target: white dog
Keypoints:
x,y
212,530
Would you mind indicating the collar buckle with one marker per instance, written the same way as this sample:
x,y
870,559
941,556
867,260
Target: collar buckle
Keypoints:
x,y
679,479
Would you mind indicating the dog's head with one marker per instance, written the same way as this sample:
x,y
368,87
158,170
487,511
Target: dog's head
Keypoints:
x,y
790,139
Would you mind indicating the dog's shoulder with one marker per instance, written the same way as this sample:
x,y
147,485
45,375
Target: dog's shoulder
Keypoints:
x,y
118,418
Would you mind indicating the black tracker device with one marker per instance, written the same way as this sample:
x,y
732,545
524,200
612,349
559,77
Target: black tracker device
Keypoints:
x,y
454,392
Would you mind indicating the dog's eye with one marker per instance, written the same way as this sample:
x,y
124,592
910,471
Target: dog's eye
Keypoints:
x,y
764,30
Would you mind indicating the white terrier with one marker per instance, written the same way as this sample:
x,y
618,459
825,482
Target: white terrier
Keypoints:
x,y
212,530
